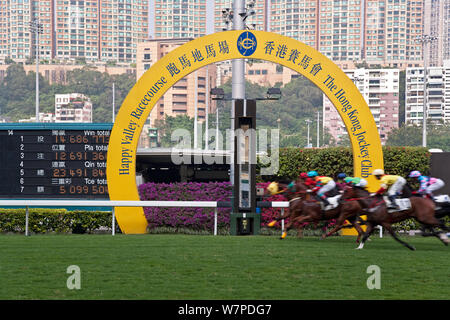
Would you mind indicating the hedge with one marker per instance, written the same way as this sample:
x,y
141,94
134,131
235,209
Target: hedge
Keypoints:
x,y
331,161
53,220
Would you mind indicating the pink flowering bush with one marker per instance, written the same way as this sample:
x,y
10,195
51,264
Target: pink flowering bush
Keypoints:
x,y
198,219
189,218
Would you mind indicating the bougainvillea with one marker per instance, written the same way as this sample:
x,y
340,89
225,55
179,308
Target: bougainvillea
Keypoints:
x,y
191,218
198,218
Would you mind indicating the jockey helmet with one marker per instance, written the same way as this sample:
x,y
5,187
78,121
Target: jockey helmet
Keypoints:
x,y
272,188
415,174
341,175
312,174
348,179
303,175
378,172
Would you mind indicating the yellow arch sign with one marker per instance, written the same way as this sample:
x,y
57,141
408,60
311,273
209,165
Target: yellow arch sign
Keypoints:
x,y
354,111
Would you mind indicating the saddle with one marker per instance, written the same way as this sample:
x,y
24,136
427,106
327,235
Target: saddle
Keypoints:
x,y
334,202
402,203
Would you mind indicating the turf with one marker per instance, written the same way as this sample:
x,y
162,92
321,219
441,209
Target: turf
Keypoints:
x,y
223,267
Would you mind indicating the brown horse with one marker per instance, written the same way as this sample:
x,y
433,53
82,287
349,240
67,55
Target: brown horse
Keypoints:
x,y
295,194
422,209
304,209
350,211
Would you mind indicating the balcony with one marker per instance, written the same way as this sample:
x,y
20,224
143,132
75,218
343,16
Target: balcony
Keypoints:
x,y
434,92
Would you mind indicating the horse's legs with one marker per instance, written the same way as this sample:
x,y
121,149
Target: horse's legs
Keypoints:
x,y
442,236
300,231
388,227
339,224
280,217
369,230
290,224
430,222
358,228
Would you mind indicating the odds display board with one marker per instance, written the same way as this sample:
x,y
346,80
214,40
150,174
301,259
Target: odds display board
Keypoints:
x,y
39,160
228,45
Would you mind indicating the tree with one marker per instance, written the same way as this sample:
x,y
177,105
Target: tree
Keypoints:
x,y
405,136
17,91
169,124
438,136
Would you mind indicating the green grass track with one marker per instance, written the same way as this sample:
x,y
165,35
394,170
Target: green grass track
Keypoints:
x,y
176,267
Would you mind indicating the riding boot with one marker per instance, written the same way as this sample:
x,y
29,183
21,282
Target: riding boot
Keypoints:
x,y
393,204
325,201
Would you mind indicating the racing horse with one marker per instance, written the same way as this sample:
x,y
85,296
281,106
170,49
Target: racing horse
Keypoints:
x,y
303,209
422,209
295,192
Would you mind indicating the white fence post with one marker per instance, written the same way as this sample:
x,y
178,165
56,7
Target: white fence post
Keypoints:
x,y
215,221
282,221
26,221
113,224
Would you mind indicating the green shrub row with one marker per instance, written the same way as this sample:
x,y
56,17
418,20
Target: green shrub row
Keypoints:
x,y
412,224
331,161
63,221
53,220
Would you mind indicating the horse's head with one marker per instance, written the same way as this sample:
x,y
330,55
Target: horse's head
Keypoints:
x,y
349,192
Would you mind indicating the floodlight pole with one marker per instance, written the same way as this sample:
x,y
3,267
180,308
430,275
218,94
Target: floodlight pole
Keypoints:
x,y
425,40
318,124
307,142
238,77
207,109
36,27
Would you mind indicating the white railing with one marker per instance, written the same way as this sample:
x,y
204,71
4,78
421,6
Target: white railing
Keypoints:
x,y
125,203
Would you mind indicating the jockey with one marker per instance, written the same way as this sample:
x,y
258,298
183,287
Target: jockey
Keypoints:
x,y
359,182
356,182
341,183
392,183
427,184
323,185
309,182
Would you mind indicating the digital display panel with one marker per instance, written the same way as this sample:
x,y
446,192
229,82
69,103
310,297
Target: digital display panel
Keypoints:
x,y
57,162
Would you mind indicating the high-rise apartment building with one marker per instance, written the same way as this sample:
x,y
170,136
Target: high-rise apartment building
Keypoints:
x,y
438,94
256,21
434,26
179,18
123,24
77,30
298,19
446,31
340,29
380,89
107,30
391,31
380,32
16,39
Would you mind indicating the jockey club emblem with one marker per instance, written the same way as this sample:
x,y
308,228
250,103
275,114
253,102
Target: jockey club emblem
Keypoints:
x,y
246,43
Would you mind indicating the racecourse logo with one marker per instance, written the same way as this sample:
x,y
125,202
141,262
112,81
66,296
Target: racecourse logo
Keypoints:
x,y
246,43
